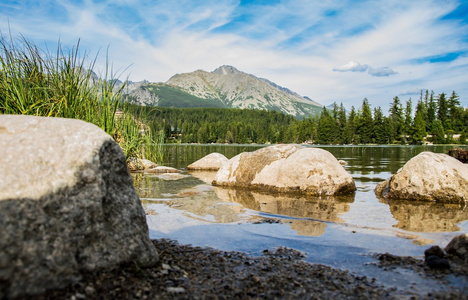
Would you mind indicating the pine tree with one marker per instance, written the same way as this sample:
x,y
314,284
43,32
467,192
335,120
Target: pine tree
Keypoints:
x,y
408,119
438,133
327,129
342,123
418,129
455,112
442,111
380,131
364,123
396,118
350,129
431,111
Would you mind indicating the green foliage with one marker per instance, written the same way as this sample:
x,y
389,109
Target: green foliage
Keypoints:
x,y
173,97
364,123
33,82
418,129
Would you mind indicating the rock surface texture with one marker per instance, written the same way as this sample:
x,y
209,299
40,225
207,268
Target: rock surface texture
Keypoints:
x,y
428,176
459,246
212,162
287,168
67,205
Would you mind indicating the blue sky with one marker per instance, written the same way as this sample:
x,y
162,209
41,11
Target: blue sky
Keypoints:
x,y
330,51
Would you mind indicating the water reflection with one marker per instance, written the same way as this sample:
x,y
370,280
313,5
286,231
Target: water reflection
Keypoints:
x,y
296,206
308,227
427,216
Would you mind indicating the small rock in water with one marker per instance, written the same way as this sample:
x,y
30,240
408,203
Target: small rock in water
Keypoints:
x,y
435,262
434,251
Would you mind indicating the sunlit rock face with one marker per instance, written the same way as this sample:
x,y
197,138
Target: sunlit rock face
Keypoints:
x,y
212,162
67,205
287,168
428,176
427,216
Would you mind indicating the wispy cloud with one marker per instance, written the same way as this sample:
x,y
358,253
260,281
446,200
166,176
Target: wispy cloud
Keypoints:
x,y
390,46
381,72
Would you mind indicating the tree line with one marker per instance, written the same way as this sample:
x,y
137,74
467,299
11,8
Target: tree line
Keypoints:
x,y
439,119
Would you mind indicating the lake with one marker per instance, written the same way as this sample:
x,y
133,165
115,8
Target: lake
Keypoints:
x,y
342,232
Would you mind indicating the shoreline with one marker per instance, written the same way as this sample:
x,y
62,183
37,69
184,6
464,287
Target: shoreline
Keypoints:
x,y
187,272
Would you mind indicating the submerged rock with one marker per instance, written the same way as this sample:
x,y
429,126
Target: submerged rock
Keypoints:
x,y
212,162
67,205
287,168
162,169
428,176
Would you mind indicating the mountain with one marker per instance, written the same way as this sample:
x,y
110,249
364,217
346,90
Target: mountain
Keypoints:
x,y
224,87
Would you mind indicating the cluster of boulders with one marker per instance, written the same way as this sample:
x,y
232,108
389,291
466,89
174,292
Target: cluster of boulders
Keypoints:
x,y
68,205
283,168
436,258
313,171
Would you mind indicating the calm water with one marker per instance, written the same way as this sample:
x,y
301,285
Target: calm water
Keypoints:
x,y
342,232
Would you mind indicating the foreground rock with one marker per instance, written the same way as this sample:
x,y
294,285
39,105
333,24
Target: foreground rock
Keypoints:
x,y
287,168
67,205
428,176
211,162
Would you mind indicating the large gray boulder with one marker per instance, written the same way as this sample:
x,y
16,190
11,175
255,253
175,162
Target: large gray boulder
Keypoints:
x,y
287,168
428,176
67,205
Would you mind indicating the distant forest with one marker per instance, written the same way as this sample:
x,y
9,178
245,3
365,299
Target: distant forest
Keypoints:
x,y
438,119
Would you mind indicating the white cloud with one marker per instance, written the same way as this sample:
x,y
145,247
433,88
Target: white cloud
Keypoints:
x,y
352,66
298,44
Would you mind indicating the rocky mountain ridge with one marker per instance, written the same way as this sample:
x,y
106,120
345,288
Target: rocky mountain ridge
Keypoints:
x,y
226,87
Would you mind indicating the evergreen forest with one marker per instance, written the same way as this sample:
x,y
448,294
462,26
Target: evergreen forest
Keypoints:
x,y
438,119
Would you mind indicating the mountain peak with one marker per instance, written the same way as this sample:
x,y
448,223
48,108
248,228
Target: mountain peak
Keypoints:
x,y
226,70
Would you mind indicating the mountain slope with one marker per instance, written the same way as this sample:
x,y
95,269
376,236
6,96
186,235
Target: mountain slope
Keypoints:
x,y
163,95
238,89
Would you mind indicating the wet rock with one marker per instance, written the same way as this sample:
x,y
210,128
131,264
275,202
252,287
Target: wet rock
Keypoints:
x,y
212,162
428,176
67,205
434,251
287,168
458,246
460,154
435,258
436,262
162,169
135,164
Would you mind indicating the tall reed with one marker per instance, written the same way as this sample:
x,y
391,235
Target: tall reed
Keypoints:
x,y
34,82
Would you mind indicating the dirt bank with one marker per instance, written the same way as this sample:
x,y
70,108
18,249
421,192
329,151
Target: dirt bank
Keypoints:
x,y
187,272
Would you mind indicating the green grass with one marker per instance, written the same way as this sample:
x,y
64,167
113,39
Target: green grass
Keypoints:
x,y
35,82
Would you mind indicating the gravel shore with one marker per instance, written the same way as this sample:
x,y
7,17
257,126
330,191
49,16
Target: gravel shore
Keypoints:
x,y
187,272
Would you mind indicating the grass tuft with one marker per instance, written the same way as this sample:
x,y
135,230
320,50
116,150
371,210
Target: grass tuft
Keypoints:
x,y
34,82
